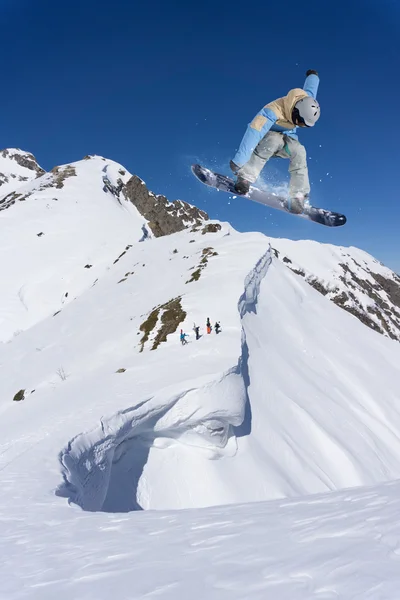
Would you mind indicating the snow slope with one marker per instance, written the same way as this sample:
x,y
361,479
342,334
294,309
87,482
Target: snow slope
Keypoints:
x,y
341,545
144,438
60,239
294,397
350,277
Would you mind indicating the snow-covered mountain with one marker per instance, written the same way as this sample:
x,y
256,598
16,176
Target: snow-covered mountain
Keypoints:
x,y
103,407
65,230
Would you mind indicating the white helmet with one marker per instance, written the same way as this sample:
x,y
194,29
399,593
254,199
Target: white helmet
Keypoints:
x,y
306,112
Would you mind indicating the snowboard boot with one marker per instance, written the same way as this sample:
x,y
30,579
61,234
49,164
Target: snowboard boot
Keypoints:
x,y
297,203
242,186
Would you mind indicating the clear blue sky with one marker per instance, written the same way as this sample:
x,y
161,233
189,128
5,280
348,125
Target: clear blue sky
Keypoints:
x,y
159,85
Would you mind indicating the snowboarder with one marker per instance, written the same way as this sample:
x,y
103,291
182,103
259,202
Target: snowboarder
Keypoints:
x,y
183,337
272,132
217,327
208,325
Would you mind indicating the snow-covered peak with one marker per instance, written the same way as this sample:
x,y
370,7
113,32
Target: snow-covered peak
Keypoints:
x,y
16,168
66,228
350,277
60,233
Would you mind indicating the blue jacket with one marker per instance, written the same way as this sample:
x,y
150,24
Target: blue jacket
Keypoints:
x,y
269,117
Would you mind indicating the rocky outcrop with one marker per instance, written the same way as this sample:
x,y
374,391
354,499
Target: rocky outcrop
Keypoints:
x,y
24,159
164,217
372,297
382,310
16,169
61,174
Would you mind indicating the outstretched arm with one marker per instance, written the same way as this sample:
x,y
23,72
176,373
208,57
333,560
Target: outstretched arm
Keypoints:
x,y
311,83
255,131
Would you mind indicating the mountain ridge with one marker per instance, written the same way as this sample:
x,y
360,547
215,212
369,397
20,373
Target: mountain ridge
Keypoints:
x,y
356,282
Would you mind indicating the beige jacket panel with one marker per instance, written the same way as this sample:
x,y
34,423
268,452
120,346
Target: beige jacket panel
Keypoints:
x,y
258,122
283,107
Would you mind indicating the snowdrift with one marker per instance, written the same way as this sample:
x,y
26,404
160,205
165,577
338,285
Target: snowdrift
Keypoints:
x,y
318,417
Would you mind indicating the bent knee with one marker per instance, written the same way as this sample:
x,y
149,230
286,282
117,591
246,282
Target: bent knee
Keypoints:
x,y
299,154
299,150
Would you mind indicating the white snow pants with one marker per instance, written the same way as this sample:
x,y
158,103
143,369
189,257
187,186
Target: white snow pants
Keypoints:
x,y
278,144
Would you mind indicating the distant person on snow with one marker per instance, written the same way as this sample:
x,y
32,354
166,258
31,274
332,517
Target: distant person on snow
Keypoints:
x,y
217,327
272,132
197,331
208,325
183,337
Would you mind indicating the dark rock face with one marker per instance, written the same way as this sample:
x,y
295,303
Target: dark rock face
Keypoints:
x,y
26,160
390,286
164,217
19,396
211,228
29,162
9,200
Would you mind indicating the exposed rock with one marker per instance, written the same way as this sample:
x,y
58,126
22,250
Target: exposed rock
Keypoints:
x,y
211,228
10,181
9,200
25,159
195,275
317,285
205,255
371,297
390,286
164,217
19,396
148,325
171,317
29,162
168,316
62,173
362,316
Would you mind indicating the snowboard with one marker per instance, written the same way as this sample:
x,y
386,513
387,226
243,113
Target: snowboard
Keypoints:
x,y
225,184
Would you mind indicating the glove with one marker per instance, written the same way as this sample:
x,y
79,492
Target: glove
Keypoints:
x,y
234,167
311,72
